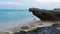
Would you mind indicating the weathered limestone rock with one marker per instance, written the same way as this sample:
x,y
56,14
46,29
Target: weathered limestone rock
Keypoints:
x,y
49,15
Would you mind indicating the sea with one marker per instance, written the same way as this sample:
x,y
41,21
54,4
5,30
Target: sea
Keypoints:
x,y
13,18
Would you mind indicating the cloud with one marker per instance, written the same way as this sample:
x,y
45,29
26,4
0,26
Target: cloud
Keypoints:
x,y
11,3
48,1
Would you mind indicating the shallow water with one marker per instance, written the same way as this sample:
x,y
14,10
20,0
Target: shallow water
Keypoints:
x,y
11,18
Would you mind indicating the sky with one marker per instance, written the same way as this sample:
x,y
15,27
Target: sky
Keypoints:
x,y
25,4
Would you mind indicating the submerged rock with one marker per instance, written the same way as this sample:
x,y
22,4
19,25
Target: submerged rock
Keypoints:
x,y
54,29
48,15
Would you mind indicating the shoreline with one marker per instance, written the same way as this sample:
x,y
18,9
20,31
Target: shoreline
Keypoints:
x,y
29,26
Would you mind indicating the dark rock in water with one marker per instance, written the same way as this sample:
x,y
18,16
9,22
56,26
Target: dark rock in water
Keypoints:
x,y
54,29
49,15
21,32
16,33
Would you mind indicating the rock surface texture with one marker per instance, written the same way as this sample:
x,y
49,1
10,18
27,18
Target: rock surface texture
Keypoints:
x,y
54,29
49,15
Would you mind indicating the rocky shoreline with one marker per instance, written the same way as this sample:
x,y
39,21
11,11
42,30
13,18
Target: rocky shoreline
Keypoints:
x,y
46,15
49,24
39,27
53,29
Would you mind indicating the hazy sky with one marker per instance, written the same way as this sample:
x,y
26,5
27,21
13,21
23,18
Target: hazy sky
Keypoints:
x,y
25,4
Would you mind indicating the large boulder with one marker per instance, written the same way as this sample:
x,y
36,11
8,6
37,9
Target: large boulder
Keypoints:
x,y
48,15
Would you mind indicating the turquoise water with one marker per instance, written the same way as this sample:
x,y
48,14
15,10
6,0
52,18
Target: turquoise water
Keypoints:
x,y
10,18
